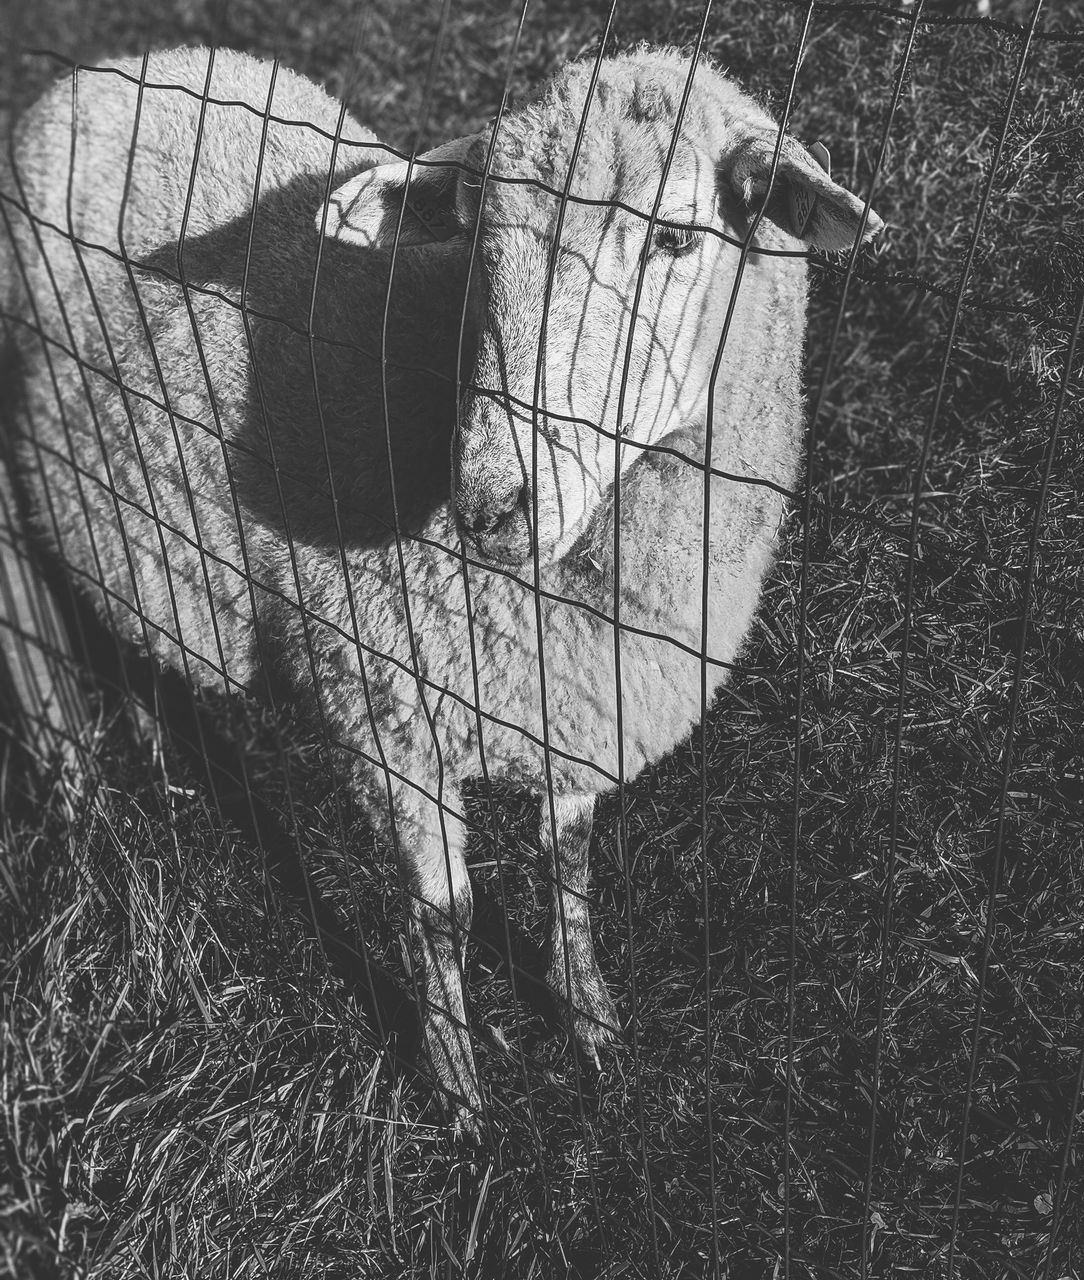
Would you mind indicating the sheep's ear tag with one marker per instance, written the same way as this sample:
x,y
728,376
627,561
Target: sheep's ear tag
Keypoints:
x,y
429,204
803,201
434,215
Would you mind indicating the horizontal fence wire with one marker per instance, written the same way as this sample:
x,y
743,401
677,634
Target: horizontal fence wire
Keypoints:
x,y
595,1176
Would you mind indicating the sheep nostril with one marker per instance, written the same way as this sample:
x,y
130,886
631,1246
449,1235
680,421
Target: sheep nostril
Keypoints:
x,y
489,517
480,522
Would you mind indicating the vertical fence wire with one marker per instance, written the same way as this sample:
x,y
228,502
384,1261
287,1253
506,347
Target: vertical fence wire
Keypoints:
x,y
1015,698
398,531
548,800
916,501
326,738
815,411
479,725
222,778
622,826
1059,1206
250,801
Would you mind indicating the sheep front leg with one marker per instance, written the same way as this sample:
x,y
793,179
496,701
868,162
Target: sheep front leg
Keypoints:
x,y
572,972
441,911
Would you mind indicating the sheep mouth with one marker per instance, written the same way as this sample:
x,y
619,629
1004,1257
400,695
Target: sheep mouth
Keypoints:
x,y
509,543
502,537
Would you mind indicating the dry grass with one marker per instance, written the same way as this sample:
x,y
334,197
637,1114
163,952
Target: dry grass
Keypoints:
x,y
190,1087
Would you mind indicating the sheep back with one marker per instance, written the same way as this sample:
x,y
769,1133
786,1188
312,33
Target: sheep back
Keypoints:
x,y
133,383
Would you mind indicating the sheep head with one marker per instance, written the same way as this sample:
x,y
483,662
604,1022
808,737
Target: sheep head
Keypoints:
x,y
598,326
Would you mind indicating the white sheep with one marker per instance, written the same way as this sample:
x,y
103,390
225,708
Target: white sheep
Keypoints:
x,y
220,454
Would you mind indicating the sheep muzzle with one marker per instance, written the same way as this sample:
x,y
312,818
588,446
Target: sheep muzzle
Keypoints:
x,y
494,521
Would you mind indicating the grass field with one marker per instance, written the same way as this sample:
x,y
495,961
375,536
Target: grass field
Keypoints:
x,y
857,1043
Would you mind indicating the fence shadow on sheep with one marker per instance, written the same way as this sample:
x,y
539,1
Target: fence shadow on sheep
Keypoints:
x,y
836,876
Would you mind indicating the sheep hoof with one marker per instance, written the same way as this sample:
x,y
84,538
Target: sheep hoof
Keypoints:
x,y
591,1018
451,1058
584,1002
597,1034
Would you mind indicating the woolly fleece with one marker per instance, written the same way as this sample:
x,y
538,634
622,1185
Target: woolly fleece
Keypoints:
x,y
156,442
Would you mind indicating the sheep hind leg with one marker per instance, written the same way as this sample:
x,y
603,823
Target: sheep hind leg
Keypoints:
x,y
431,841
572,972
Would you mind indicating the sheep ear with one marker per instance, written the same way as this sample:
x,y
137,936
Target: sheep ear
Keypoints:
x,y
804,200
366,210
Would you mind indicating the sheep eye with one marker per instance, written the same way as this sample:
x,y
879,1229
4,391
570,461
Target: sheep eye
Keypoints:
x,y
676,242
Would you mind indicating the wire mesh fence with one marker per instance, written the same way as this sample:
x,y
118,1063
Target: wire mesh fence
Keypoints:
x,y
450,476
